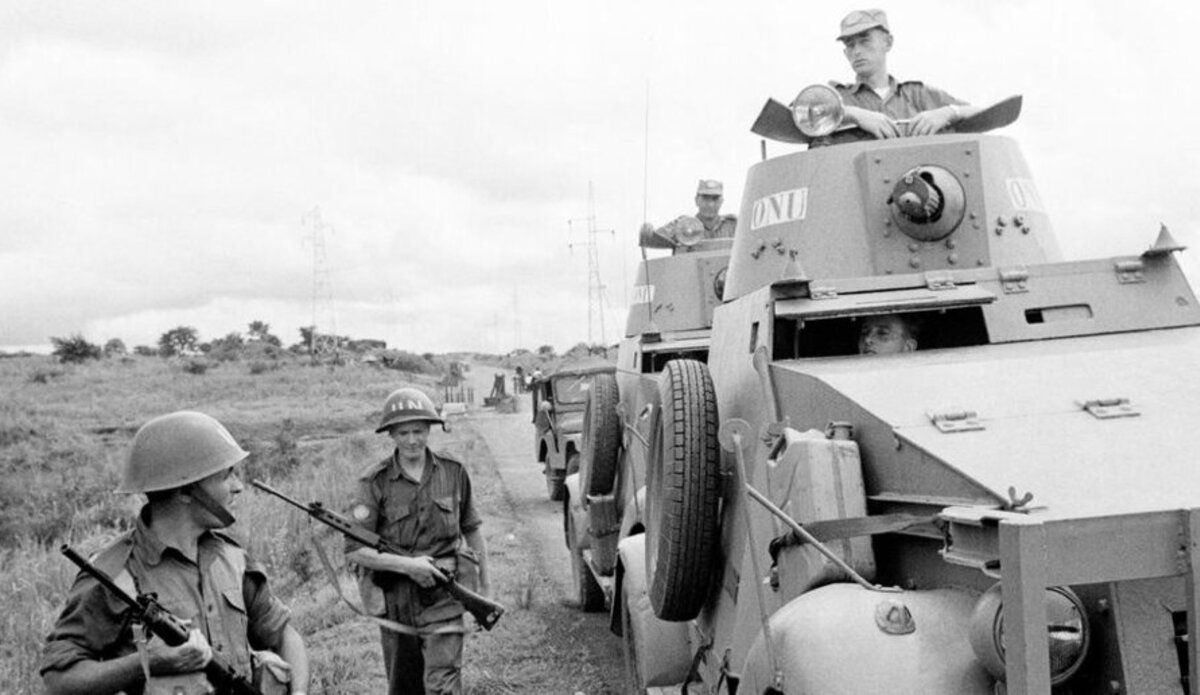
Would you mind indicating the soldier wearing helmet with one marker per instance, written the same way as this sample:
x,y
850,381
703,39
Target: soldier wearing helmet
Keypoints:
x,y
878,103
684,231
421,501
184,464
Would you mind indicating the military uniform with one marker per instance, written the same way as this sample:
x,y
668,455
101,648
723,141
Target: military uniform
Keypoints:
x,y
721,226
225,595
423,517
904,100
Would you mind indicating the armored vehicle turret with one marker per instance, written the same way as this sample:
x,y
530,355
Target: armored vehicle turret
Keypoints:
x,y
1007,505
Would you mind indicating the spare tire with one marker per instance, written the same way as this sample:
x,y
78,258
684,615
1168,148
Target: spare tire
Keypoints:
x,y
601,438
683,492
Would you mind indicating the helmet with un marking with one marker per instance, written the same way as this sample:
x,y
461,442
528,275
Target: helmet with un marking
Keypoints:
x,y
178,449
408,405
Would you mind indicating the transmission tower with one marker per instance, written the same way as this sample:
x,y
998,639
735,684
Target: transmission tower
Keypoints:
x,y
595,284
322,339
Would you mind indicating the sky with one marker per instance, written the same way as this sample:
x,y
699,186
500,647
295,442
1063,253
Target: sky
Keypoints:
x,y
165,159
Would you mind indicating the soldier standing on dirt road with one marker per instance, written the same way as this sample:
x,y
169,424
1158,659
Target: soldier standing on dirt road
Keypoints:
x,y
708,223
875,101
183,462
420,501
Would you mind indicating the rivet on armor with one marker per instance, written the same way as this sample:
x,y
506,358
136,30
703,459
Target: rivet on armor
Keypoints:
x,y
1001,221
914,262
950,243
952,259
894,618
1018,220
1024,230
999,231
914,247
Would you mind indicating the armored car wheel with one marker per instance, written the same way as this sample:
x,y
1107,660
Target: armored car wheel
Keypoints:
x,y
601,436
683,492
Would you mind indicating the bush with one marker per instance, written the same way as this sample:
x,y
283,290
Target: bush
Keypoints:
x,y
75,349
115,347
43,376
195,366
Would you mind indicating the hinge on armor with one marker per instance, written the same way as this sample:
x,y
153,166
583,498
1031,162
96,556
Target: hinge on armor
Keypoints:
x,y
1014,281
957,420
1130,272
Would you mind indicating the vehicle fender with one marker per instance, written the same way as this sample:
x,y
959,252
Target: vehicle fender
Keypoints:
x,y
832,641
573,505
662,648
631,517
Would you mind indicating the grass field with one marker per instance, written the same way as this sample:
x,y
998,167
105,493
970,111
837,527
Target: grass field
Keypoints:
x,y
64,432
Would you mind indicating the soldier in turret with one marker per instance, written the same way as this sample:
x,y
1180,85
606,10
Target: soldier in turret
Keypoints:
x,y
685,230
890,334
878,103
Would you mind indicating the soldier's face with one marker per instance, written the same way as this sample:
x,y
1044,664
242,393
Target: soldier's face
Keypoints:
x,y
867,52
708,206
221,488
885,335
410,439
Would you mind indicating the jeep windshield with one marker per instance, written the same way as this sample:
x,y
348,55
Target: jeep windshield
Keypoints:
x,y
571,389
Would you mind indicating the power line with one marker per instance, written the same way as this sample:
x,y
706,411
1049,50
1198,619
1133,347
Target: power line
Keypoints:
x,y
322,338
595,284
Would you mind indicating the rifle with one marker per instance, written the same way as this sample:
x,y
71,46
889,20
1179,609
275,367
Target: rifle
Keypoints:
x,y
485,610
167,627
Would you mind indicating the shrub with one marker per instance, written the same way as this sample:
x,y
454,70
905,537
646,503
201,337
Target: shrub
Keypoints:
x,y
75,349
195,366
43,376
183,340
115,347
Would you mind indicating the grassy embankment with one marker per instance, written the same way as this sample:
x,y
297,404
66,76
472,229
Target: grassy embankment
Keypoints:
x,y
64,432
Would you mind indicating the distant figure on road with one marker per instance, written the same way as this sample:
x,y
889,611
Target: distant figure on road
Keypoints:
x,y
876,101
422,502
184,463
684,231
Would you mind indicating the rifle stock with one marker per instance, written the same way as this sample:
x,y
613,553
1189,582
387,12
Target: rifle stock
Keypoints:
x,y
167,627
485,611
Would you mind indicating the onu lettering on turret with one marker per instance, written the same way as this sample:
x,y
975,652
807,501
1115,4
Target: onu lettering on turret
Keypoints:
x,y
784,206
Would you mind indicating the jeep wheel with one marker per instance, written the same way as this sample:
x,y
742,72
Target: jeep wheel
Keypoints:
x,y
683,492
601,436
556,480
587,589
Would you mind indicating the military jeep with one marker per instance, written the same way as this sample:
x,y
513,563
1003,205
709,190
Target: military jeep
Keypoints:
x,y
558,404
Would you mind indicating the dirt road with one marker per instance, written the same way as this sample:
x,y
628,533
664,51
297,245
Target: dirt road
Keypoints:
x,y
585,656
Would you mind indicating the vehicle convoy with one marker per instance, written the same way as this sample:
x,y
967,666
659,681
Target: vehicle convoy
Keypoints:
x,y
558,404
670,319
1011,508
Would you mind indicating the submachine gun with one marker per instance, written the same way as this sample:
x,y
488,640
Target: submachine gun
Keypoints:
x,y
167,627
485,611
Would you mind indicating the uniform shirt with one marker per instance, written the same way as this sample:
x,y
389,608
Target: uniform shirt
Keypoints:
x,y
225,594
719,227
423,517
905,99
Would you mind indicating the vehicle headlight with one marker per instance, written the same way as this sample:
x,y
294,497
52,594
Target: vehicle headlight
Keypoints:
x,y
1066,623
818,110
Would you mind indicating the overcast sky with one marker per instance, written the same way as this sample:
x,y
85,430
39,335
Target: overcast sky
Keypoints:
x,y
160,157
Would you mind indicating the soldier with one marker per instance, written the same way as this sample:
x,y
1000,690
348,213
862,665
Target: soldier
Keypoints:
x,y
888,335
708,223
422,502
183,462
875,101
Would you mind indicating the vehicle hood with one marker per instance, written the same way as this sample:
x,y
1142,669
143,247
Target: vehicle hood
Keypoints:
x,y
1036,436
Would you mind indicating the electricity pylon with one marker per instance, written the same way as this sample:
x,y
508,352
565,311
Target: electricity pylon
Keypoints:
x,y
595,284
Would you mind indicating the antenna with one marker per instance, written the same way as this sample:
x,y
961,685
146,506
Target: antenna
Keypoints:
x,y
322,338
595,285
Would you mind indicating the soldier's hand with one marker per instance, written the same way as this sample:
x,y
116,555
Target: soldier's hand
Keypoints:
x,y
192,655
873,122
422,571
930,122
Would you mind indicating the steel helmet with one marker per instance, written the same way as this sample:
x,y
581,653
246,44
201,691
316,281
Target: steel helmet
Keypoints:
x,y
174,450
408,405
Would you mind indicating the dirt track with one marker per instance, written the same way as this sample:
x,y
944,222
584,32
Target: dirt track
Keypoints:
x,y
535,524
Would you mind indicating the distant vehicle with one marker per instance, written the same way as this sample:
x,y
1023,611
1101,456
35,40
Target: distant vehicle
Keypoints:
x,y
1011,508
558,404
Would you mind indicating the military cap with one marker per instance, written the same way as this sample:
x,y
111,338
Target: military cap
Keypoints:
x,y
859,21
710,187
